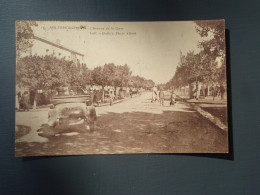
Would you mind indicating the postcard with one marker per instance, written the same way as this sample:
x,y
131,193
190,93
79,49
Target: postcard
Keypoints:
x,y
120,87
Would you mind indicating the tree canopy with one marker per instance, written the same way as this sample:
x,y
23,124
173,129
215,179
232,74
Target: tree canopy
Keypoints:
x,y
49,72
24,33
203,66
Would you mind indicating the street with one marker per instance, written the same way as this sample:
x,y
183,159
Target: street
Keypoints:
x,y
133,126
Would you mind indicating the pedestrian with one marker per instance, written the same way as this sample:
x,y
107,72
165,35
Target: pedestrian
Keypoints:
x,y
214,91
98,97
111,95
203,90
206,91
95,97
17,105
154,94
130,92
26,101
18,101
217,90
197,94
222,91
173,99
161,97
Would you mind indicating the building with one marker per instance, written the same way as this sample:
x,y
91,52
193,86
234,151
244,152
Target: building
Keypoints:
x,y
42,47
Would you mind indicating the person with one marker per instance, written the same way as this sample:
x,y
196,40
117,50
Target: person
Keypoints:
x,y
72,92
17,101
111,95
217,90
214,91
194,91
203,87
130,92
26,101
197,91
95,97
206,91
173,99
161,97
154,94
222,91
139,92
98,96
197,94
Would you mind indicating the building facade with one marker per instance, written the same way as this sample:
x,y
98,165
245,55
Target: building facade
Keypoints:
x,y
42,47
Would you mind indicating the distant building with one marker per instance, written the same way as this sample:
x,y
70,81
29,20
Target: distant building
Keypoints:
x,y
42,47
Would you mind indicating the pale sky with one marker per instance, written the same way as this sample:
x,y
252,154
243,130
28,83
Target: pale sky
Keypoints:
x,y
152,51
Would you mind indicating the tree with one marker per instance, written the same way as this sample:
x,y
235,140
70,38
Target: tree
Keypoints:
x,y
109,72
214,48
85,76
138,81
41,72
24,34
149,84
141,82
117,76
98,76
194,68
122,75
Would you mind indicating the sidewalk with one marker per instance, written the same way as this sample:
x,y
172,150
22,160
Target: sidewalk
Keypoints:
x,y
206,100
119,100
47,107
200,104
114,102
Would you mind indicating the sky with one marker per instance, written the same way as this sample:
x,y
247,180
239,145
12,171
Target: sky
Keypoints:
x,y
150,49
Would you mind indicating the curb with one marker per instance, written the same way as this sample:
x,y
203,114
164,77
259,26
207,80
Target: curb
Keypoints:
x,y
217,102
115,102
216,121
214,103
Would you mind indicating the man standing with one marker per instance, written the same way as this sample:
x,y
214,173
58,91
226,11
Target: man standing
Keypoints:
x,y
111,95
154,94
222,91
26,100
161,97
131,92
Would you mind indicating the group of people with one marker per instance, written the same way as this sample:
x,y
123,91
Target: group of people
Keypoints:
x,y
96,96
218,90
215,90
158,95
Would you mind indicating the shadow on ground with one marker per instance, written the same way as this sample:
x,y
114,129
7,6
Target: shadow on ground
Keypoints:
x,y
136,132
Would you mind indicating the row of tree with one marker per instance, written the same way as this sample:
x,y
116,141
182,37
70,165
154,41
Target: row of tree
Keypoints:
x,y
208,65
48,72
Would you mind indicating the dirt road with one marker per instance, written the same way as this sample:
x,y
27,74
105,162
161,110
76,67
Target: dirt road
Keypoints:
x,y
133,126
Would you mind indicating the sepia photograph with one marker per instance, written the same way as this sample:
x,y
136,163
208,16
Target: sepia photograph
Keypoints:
x,y
120,87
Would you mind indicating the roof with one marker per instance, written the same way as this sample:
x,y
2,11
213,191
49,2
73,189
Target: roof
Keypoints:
x,y
57,45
